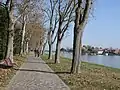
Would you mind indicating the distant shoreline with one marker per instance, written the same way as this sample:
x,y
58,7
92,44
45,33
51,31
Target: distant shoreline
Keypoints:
x,y
87,53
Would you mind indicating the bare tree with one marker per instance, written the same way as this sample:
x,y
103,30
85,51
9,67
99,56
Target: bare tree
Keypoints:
x,y
81,17
43,48
53,20
66,11
13,20
30,15
26,7
23,7
36,37
12,9
23,34
44,42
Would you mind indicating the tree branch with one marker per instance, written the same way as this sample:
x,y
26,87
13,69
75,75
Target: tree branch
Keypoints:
x,y
17,18
51,5
86,10
46,13
7,2
67,9
55,38
55,24
69,20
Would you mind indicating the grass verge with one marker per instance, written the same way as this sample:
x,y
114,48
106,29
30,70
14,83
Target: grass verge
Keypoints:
x,y
92,76
7,74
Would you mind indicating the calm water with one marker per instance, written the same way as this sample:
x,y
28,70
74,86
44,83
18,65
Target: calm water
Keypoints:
x,y
111,61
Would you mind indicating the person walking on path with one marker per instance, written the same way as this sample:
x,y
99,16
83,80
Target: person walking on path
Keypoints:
x,y
38,52
35,52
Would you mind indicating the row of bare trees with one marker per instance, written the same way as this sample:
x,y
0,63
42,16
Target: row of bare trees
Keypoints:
x,y
58,15
61,14
22,12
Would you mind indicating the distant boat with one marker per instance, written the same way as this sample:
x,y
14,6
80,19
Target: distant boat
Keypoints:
x,y
106,54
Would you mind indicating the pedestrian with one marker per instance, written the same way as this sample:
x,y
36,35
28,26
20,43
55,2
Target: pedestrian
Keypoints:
x,y
38,52
35,52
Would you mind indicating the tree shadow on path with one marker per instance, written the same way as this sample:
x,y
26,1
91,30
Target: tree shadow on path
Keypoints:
x,y
39,62
42,71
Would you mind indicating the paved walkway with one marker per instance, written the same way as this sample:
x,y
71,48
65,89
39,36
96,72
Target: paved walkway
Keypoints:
x,y
36,75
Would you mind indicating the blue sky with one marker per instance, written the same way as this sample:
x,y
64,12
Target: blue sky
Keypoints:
x,y
104,28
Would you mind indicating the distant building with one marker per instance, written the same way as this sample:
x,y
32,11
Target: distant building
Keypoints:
x,y
63,50
116,51
100,52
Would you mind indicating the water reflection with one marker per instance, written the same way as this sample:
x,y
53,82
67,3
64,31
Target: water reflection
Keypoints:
x,y
112,61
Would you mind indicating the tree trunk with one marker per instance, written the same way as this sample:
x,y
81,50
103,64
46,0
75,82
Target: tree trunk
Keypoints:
x,y
50,51
43,49
23,37
57,53
7,44
40,49
10,43
27,47
76,41
80,53
75,52
24,47
81,18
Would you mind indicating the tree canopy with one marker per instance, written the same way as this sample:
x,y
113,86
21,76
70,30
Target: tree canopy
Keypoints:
x,y
4,20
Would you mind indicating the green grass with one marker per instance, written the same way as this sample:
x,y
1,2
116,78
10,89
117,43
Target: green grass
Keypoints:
x,y
92,76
